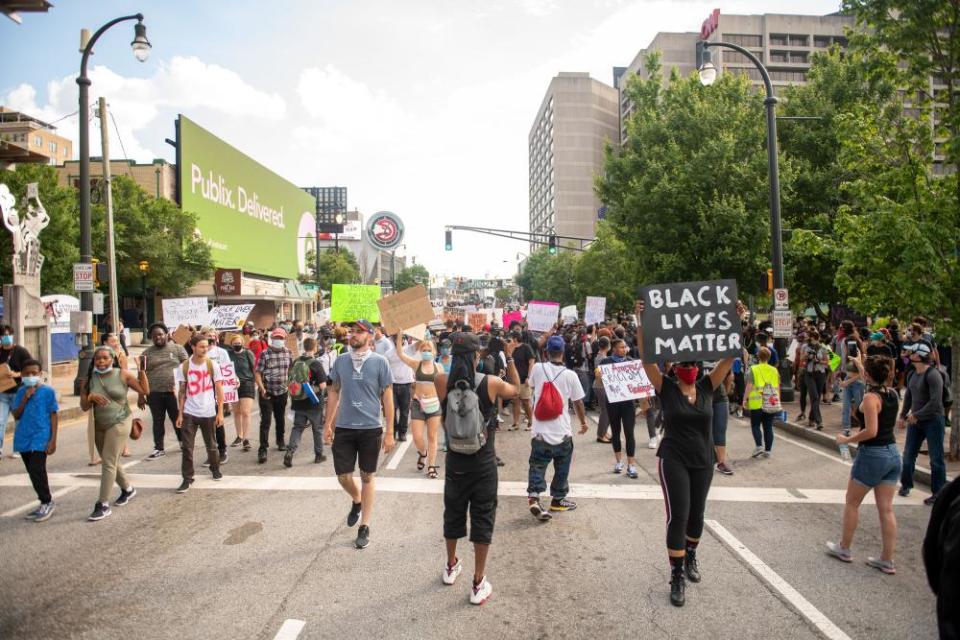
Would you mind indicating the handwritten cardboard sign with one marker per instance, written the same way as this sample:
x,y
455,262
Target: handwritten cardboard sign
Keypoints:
x,y
625,381
689,321
406,309
229,316
351,302
541,315
476,320
7,381
182,335
188,311
596,310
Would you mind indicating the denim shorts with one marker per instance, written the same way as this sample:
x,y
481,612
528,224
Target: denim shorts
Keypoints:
x,y
876,465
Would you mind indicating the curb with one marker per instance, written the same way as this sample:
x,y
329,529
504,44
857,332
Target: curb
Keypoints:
x,y
920,475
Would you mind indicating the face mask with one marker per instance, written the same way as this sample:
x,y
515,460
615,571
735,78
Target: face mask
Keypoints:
x,y
102,371
427,356
7,341
687,375
238,348
277,344
30,381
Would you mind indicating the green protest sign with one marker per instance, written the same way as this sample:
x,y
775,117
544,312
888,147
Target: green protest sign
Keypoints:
x,y
351,302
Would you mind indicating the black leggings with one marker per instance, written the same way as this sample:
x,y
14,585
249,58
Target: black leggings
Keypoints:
x,y
685,494
623,416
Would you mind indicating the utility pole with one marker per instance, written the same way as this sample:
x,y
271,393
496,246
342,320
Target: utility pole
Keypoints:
x,y
108,202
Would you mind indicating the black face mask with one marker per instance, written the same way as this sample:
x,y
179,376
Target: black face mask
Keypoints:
x,y
238,348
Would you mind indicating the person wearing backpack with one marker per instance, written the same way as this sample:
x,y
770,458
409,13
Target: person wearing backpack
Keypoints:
x,y
307,384
552,386
923,416
763,401
470,479
815,363
200,407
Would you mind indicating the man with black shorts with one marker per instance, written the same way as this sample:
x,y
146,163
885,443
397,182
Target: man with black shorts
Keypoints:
x,y
361,392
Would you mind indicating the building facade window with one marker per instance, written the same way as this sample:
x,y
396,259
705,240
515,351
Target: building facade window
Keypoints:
x,y
743,40
38,141
789,40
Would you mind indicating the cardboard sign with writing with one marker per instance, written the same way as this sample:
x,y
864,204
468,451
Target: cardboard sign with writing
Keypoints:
x,y
351,302
595,311
456,314
230,384
541,315
189,311
625,381
182,335
476,321
291,344
7,381
689,321
229,316
406,309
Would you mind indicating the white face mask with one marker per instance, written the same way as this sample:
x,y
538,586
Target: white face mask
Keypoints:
x,y
277,343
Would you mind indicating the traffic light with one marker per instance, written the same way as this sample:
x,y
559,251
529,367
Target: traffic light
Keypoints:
x,y
766,281
552,244
449,240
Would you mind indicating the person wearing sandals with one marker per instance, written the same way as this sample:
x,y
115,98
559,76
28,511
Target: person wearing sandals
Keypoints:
x,y
425,408
105,391
877,464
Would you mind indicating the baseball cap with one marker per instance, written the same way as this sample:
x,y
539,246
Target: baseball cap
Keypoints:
x,y
464,342
278,333
556,343
876,335
769,330
363,325
919,348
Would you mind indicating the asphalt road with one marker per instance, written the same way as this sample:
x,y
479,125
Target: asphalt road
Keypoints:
x,y
268,545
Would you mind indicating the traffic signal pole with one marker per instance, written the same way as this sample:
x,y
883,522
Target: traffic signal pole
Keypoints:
x,y
524,236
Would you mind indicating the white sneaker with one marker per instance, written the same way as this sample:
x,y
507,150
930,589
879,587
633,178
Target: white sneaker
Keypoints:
x,y
739,412
757,452
618,468
652,444
480,593
450,574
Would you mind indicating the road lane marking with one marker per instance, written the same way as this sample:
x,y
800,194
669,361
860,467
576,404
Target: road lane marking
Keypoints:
x,y
33,505
290,629
773,495
398,454
770,577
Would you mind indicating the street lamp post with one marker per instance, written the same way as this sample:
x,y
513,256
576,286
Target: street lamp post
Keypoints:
x,y
708,74
141,50
519,286
144,268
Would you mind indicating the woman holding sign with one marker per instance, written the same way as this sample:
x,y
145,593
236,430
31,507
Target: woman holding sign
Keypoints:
x,y
685,457
425,408
623,416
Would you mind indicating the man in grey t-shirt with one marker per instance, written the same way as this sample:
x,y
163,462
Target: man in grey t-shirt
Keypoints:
x,y
361,393
923,415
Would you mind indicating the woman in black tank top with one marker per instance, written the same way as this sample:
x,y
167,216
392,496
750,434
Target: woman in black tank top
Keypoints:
x,y
877,465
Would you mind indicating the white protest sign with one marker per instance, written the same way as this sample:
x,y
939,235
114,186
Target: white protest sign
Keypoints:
x,y
322,316
498,316
625,381
229,316
231,383
541,315
569,314
595,311
184,311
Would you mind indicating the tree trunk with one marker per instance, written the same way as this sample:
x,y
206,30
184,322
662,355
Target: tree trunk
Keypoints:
x,y
954,453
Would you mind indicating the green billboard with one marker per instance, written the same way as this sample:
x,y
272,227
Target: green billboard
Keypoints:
x,y
251,218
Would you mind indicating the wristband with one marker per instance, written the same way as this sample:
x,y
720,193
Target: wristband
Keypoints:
x,y
509,360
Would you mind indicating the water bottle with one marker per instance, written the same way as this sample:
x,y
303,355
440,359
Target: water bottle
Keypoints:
x,y
845,448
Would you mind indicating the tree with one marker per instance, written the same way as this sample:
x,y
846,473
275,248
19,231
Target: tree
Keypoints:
x,y
59,242
336,267
504,295
549,277
689,190
411,276
901,228
606,269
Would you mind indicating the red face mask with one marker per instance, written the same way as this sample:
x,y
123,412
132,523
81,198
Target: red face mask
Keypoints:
x,y
687,375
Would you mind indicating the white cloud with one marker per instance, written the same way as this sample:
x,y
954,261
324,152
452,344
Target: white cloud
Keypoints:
x,y
539,7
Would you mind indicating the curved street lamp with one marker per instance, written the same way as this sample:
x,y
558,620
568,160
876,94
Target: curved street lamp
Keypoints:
x,y
708,75
141,50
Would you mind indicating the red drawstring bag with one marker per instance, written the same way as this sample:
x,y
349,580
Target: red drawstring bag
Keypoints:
x,y
550,404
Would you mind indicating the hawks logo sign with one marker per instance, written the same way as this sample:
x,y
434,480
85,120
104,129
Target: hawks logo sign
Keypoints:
x,y
385,230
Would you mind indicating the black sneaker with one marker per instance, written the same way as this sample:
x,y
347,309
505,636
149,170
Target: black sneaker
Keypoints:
x,y
125,497
100,511
363,537
246,445
354,514
261,456
157,453
500,462
317,459
281,446
216,474
903,492
929,500
288,458
677,587
237,442
690,566
224,458
538,511
562,505
184,486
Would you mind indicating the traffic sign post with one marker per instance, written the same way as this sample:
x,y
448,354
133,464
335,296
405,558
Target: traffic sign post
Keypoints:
x,y
781,299
782,323
83,276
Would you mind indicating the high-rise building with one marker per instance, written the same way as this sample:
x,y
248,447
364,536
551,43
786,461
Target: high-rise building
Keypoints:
x,y
577,115
784,44
24,138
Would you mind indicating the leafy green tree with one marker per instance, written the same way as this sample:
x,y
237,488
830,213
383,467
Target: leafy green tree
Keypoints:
x,y
606,269
411,276
689,188
504,295
901,229
59,242
335,268
549,277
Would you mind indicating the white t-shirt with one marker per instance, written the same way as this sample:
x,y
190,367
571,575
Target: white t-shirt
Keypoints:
x,y
568,384
201,399
219,355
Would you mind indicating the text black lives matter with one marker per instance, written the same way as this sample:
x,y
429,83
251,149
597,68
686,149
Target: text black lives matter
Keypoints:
x,y
688,321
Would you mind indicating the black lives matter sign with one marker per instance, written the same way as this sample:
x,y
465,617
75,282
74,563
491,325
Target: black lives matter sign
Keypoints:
x,y
690,321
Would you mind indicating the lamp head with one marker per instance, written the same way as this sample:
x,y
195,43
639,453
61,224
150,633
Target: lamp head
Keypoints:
x,y
140,45
708,72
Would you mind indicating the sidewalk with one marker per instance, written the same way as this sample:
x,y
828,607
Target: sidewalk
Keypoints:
x,y
831,427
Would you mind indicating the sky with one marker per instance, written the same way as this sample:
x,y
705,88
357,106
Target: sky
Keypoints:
x,y
419,107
